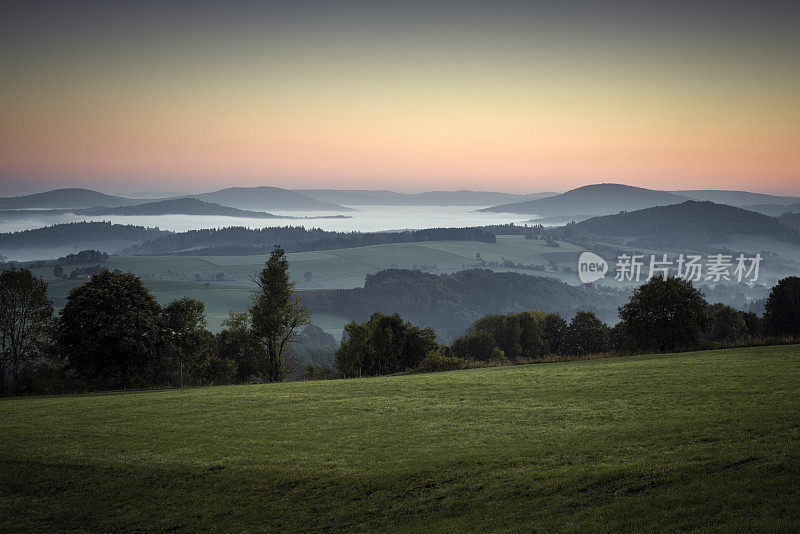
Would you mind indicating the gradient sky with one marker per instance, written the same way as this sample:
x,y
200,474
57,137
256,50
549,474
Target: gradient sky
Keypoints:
x,y
513,96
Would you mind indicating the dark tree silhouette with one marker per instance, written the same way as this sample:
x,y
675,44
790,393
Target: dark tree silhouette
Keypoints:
x,y
26,320
277,312
110,332
783,308
665,315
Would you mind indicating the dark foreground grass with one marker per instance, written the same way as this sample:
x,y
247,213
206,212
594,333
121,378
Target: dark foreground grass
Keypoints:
x,y
707,440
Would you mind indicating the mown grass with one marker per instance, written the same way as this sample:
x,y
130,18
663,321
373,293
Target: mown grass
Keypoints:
x,y
705,440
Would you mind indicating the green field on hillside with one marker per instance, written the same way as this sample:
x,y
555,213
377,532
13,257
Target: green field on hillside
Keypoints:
x,y
346,268
229,278
704,440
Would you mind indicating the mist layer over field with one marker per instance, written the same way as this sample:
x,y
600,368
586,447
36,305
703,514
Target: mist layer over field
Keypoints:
x,y
365,219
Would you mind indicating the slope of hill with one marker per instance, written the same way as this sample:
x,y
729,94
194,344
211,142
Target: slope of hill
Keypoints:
x,y
431,198
791,220
691,220
699,441
61,239
267,198
66,198
597,199
78,232
177,206
742,199
774,210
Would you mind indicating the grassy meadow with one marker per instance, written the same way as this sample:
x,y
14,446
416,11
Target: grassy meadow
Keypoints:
x,y
703,440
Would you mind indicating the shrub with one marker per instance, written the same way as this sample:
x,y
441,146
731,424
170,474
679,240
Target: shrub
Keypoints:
x,y
218,371
436,360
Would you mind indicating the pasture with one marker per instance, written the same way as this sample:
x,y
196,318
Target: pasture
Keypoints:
x,y
703,440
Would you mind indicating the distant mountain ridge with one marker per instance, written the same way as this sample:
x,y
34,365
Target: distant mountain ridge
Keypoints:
x,y
243,198
741,199
463,197
596,199
267,198
66,198
178,206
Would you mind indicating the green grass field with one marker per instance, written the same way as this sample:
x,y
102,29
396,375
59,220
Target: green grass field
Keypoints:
x,y
705,440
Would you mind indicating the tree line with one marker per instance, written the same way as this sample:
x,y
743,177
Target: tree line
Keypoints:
x,y
236,240
663,315
58,234
112,334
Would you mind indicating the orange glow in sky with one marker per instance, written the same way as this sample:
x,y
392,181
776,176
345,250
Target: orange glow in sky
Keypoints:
x,y
406,112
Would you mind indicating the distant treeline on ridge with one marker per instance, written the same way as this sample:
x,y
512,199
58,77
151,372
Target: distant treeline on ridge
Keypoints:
x,y
59,234
235,241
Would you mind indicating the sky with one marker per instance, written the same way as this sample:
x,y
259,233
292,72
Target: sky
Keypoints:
x,y
412,96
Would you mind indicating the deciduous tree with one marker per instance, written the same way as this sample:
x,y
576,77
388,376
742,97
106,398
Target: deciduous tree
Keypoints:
x,y
110,332
783,308
665,315
26,323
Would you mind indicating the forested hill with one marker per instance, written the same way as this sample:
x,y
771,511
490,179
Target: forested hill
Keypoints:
x,y
240,241
64,198
691,219
449,303
596,199
79,232
178,206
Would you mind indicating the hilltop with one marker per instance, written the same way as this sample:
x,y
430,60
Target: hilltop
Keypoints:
x,y
597,199
65,198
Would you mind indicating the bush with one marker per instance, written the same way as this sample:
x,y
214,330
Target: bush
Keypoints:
x,y
218,371
436,360
498,357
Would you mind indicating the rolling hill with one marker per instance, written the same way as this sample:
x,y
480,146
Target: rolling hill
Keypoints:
x,y
431,198
697,441
267,198
61,239
597,199
177,206
66,198
449,303
691,220
741,199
